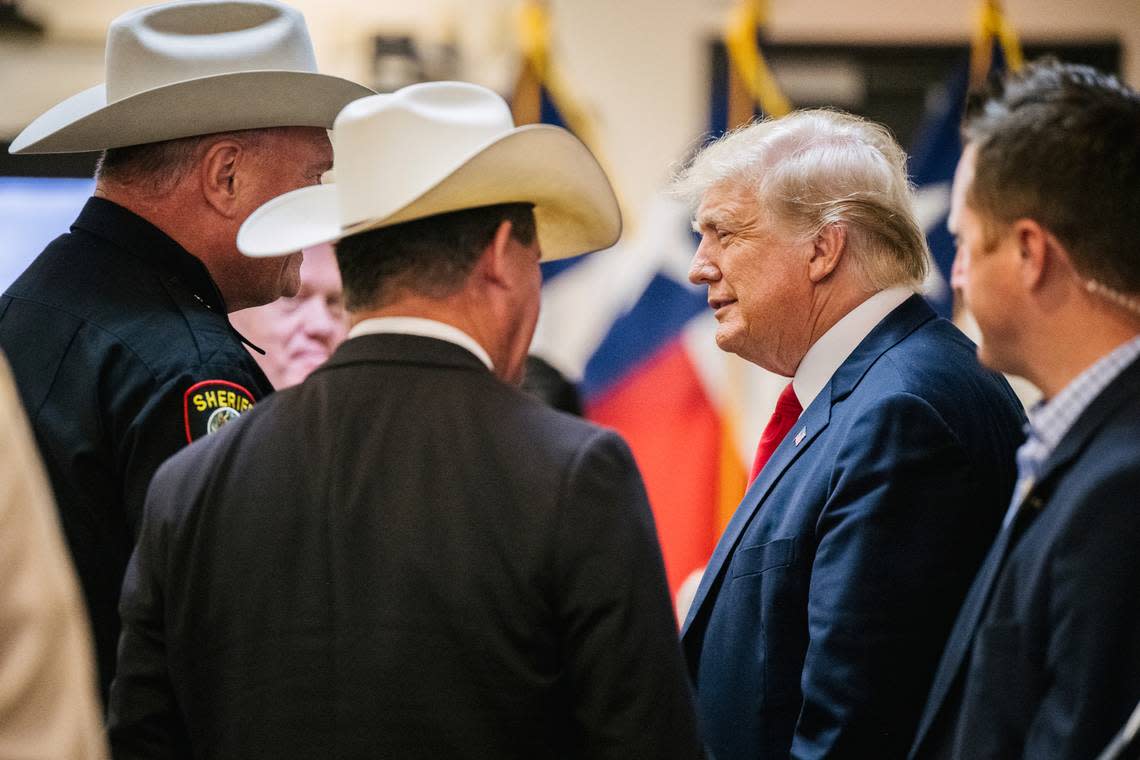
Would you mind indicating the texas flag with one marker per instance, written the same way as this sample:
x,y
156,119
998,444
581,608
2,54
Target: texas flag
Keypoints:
x,y
641,339
627,325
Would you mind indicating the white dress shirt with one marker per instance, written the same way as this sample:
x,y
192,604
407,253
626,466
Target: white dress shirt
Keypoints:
x,y
427,328
834,346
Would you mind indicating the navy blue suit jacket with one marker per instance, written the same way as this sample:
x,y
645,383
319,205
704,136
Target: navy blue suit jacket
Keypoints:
x,y
1044,659
820,618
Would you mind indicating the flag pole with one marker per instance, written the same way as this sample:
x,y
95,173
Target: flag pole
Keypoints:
x,y
538,71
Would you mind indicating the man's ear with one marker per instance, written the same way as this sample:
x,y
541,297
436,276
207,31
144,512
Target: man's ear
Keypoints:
x,y
827,250
218,175
493,264
1039,253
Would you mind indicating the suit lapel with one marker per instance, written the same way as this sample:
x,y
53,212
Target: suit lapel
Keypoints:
x,y
1092,420
895,326
813,420
961,638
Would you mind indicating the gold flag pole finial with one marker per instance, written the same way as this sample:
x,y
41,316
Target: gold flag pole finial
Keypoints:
x,y
539,71
992,25
747,60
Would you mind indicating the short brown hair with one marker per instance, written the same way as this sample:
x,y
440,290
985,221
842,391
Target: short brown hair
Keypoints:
x,y
430,256
157,168
1060,143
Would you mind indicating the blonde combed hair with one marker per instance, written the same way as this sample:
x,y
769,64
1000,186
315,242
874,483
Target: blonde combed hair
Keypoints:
x,y
815,168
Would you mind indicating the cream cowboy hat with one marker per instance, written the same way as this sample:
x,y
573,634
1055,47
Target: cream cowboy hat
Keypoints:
x,y
432,148
194,67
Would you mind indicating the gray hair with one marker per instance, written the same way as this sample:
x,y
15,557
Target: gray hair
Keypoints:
x,y
815,168
157,168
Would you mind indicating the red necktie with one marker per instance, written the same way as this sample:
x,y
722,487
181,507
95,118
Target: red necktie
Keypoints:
x,y
787,412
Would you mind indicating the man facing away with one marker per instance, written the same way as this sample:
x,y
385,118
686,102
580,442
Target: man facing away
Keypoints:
x,y
884,472
117,333
405,556
1044,658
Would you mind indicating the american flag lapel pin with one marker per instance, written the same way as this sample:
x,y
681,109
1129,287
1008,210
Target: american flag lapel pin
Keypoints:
x,y
800,436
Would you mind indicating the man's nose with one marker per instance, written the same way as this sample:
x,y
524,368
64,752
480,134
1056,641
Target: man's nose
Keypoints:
x,y
319,320
701,270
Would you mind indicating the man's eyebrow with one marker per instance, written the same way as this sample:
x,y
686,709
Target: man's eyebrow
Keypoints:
x,y
715,218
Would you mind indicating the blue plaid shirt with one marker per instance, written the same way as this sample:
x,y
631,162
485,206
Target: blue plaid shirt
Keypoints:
x,y
1050,421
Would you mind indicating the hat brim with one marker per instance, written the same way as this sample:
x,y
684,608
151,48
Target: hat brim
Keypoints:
x,y
575,208
202,106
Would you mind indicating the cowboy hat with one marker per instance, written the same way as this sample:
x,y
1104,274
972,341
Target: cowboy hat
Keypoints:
x,y
195,67
438,147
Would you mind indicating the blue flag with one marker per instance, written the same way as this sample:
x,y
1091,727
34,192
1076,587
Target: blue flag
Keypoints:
x,y
934,157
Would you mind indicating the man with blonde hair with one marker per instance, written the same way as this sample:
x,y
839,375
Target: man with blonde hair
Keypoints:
x,y
883,473
117,332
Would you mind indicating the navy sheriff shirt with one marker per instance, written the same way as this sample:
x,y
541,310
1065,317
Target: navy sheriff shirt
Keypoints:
x,y
122,353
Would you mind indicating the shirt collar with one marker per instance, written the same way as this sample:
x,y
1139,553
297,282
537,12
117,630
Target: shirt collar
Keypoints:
x,y
427,328
143,240
1050,420
834,346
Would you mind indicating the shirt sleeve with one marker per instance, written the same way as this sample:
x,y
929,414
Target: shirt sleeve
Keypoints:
x,y
173,414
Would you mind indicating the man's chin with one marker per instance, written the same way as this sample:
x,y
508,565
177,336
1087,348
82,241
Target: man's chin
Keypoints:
x,y
300,367
727,340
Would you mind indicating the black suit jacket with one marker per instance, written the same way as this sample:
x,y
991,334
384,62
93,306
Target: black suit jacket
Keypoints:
x,y
1044,658
402,557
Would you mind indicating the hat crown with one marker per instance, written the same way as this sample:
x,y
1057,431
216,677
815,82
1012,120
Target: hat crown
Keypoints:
x,y
164,44
391,148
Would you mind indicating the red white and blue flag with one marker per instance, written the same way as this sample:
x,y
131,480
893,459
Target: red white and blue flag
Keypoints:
x,y
639,338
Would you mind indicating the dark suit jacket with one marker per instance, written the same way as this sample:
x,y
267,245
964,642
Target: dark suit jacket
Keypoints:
x,y
818,623
402,557
1044,659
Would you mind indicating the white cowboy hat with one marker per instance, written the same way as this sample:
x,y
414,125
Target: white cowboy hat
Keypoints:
x,y
195,67
432,148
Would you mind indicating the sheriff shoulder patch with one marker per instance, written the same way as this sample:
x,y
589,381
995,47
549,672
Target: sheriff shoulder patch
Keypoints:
x,y
210,404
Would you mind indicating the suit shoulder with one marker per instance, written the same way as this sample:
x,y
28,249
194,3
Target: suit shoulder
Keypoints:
x,y
1109,464
547,431
938,363
937,350
933,374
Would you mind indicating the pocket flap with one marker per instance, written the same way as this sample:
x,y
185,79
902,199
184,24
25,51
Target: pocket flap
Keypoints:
x,y
757,559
